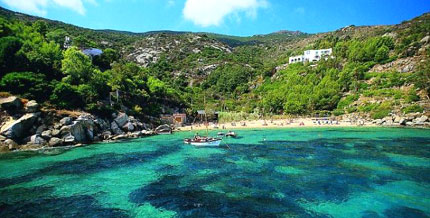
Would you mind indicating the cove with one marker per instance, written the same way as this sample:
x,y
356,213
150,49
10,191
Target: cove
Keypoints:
x,y
303,172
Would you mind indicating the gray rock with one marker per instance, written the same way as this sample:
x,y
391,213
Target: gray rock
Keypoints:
x,y
40,129
69,139
53,142
46,134
102,124
82,130
163,129
397,119
136,134
147,132
37,140
18,128
31,106
66,121
55,132
409,123
10,103
65,130
115,128
11,144
118,137
106,135
423,118
128,127
402,121
121,119
425,40
379,121
2,138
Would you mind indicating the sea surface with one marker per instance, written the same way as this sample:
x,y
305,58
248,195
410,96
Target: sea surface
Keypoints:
x,y
304,172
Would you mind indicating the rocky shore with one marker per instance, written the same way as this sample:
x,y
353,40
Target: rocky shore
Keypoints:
x,y
24,126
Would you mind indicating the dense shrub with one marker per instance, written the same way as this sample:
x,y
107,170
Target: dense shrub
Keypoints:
x,y
413,109
27,84
66,96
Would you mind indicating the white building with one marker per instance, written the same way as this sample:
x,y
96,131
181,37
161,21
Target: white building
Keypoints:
x,y
311,56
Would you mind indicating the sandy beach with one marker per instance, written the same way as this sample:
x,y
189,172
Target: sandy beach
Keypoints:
x,y
282,123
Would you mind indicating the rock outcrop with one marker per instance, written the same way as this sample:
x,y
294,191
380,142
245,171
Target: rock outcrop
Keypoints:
x,y
18,129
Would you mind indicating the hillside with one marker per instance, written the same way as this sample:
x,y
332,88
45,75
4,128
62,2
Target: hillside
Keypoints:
x,y
376,70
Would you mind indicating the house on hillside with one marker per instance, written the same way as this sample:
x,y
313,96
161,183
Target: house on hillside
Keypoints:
x,y
311,56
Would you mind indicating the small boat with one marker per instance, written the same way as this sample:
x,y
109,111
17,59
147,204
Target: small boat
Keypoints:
x,y
221,134
231,134
203,141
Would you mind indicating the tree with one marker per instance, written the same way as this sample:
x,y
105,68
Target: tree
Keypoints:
x,y
41,27
105,60
58,36
382,54
66,96
9,59
27,84
76,66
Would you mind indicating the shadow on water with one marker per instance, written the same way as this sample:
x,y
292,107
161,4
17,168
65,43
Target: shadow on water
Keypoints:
x,y
75,206
92,164
192,201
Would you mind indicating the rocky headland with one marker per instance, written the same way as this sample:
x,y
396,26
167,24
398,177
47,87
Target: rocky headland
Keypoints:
x,y
24,125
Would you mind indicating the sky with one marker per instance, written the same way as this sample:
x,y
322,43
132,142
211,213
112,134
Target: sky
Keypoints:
x,y
231,17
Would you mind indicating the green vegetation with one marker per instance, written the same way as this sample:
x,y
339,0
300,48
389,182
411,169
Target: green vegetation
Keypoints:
x,y
35,64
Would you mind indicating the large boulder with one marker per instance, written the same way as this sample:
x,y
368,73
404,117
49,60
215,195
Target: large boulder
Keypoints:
x,y
115,128
10,104
83,130
422,119
163,129
121,119
31,106
19,128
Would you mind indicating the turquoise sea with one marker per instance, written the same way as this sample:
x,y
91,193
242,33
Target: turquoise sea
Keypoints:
x,y
304,172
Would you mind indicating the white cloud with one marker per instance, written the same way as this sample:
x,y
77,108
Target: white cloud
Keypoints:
x,y
39,7
207,13
170,3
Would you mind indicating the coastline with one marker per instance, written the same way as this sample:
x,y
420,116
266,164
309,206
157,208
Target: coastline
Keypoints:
x,y
277,124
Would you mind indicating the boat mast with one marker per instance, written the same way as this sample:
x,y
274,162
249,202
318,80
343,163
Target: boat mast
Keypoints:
x,y
206,116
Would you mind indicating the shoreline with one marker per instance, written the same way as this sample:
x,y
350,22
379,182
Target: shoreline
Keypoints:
x,y
276,124
286,124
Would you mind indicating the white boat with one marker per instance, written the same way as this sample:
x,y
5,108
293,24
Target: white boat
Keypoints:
x,y
204,141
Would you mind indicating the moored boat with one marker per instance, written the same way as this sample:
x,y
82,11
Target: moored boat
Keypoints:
x,y
203,141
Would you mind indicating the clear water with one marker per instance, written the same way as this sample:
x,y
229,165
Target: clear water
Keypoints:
x,y
360,172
